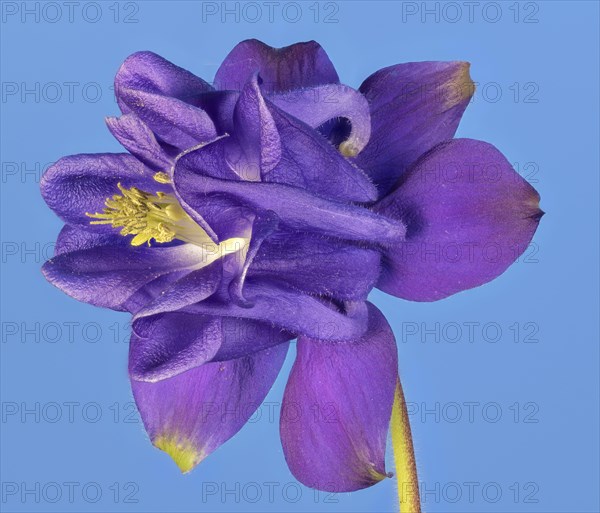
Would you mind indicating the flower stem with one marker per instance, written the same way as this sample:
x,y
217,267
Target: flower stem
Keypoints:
x,y
404,455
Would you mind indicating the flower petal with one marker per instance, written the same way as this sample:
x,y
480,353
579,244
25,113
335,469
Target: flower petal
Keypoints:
x,y
73,238
78,184
256,134
319,266
316,106
108,275
208,198
337,407
281,69
262,227
290,310
168,344
468,217
139,140
414,106
190,288
310,162
146,71
242,337
174,121
190,415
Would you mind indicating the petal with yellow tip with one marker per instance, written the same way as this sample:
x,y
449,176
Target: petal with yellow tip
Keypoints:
x,y
337,407
190,415
414,106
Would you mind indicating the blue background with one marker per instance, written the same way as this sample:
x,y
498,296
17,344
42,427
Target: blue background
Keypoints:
x,y
542,454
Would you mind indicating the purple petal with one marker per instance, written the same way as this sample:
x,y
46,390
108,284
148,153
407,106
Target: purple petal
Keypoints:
x,y
298,209
149,73
108,275
221,217
219,105
318,105
73,238
256,133
414,106
310,162
190,288
174,121
468,217
78,184
146,71
262,227
318,266
190,415
290,310
139,140
337,407
168,344
281,69
242,337
152,290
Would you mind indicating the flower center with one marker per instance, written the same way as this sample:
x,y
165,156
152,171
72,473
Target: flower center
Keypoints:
x,y
160,217
149,216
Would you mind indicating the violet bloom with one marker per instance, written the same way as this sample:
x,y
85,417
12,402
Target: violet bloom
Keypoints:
x,y
265,209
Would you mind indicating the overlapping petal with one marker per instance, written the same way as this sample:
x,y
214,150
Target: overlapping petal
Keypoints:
x,y
199,283
174,121
291,310
80,184
414,106
468,215
337,408
310,162
318,265
295,207
137,138
151,73
263,226
255,134
318,105
281,69
168,344
74,238
108,275
190,415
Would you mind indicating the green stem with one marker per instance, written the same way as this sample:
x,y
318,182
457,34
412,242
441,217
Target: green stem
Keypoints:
x,y
404,455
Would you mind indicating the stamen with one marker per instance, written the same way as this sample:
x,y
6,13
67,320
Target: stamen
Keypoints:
x,y
161,177
347,149
150,216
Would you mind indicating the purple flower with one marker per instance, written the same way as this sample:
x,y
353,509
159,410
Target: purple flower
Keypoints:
x,y
265,209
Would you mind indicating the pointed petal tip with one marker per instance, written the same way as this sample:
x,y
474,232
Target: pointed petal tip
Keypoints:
x,y
460,86
532,204
181,451
536,212
378,475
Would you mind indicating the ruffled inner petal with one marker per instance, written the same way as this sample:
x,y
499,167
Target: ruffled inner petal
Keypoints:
x,y
318,105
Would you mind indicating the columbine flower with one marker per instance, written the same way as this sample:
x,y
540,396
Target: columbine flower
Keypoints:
x,y
264,209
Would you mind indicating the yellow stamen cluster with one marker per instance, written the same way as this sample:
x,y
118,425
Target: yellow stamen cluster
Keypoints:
x,y
149,216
